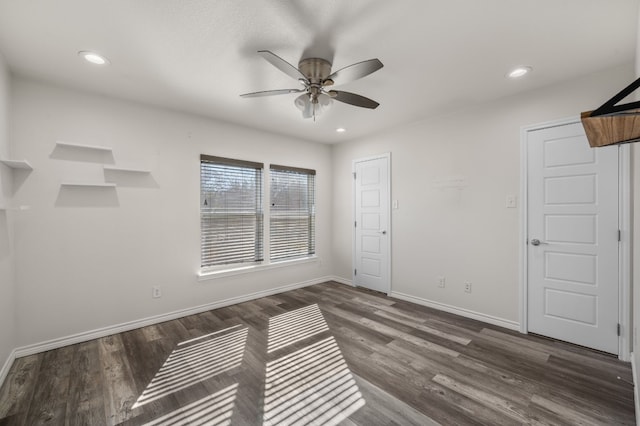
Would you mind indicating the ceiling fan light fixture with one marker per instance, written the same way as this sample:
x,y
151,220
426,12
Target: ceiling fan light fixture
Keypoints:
x,y
519,72
93,57
312,106
303,103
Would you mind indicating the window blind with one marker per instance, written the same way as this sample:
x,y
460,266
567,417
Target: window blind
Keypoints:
x,y
231,215
292,223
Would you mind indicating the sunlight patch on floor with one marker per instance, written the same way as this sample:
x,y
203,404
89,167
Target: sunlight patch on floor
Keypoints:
x,y
310,386
213,410
196,362
291,327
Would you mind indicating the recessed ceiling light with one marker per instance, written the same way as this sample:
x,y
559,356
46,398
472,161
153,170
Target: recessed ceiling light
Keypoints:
x,y
341,130
93,57
519,72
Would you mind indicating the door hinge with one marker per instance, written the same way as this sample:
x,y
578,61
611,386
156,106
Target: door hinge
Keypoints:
x,y
354,175
619,235
355,224
618,329
355,272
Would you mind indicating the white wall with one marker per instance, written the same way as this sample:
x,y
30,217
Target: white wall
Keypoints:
x,y
7,323
462,234
88,258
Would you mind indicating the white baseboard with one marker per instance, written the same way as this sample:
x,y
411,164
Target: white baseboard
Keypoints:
x,y
501,322
634,373
7,366
342,281
132,325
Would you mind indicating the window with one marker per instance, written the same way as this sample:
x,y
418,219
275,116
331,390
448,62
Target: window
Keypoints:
x,y
292,224
231,215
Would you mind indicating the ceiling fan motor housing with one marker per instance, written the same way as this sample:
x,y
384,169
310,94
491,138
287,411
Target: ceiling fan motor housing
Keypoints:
x,y
315,69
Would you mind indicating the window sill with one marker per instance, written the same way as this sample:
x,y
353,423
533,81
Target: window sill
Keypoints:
x,y
206,275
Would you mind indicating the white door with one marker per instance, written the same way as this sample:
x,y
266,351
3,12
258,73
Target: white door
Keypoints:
x,y
371,245
572,252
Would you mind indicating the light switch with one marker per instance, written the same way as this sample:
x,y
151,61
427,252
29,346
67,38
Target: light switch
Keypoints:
x,y
512,201
395,204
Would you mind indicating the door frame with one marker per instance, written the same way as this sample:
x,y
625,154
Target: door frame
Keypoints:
x,y
387,156
624,248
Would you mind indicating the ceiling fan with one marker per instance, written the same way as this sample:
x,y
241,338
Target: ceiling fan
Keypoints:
x,y
315,75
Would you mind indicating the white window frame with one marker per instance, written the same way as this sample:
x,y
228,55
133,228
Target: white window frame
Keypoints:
x,y
221,271
253,167
310,213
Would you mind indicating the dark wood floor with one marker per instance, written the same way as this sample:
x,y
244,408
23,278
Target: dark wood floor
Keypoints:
x,y
325,354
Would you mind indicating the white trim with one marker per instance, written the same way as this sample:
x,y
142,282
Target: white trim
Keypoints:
x,y
7,366
213,274
625,262
387,156
624,222
634,372
523,236
342,281
490,319
132,325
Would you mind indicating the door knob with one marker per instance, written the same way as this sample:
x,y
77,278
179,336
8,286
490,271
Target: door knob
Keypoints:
x,y
536,242
383,232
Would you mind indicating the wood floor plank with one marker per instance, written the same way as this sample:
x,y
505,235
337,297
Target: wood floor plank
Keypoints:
x,y
342,354
513,411
19,387
425,328
489,380
48,405
84,401
385,410
391,332
402,326
568,414
120,393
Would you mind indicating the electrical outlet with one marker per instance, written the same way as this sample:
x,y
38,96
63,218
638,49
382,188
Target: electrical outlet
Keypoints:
x,y
467,287
156,292
441,281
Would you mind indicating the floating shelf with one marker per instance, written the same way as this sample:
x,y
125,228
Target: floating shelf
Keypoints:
x,y
126,170
19,208
17,164
89,185
80,146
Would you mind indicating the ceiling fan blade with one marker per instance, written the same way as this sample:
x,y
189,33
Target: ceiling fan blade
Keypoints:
x,y
271,93
355,71
353,99
282,65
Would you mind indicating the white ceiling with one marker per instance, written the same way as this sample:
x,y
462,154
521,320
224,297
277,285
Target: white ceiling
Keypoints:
x,y
199,55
